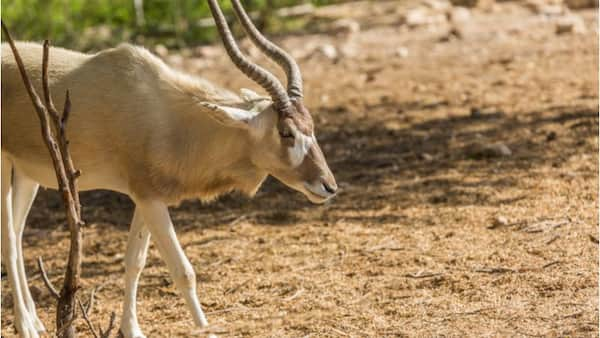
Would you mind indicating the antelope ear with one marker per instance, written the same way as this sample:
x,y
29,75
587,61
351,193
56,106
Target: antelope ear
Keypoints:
x,y
230,116
251,96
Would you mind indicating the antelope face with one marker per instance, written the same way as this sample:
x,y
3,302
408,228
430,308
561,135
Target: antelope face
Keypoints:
x,y
286,143
283,146
298,160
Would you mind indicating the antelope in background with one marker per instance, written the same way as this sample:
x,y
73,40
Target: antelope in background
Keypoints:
x,y
141,128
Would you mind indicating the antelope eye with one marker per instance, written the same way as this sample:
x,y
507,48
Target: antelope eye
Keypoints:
x,y
286,134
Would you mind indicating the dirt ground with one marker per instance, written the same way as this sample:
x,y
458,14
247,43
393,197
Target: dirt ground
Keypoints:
x,y
468,165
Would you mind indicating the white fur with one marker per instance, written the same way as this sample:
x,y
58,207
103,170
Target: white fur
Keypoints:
x,y
135,259
25,321
156,217
302,144
24,190
317,189
144,130
251,96
230,116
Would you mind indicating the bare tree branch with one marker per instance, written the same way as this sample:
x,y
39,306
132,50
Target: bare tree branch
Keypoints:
x,y
87,319
111,326
46,280
66,177
90,304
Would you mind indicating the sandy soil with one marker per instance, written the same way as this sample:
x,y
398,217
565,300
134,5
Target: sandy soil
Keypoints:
x,y
412,121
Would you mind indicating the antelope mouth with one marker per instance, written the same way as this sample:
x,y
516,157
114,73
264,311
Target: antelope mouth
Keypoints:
x,y
317,193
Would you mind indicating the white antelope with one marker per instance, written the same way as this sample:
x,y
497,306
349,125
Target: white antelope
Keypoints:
x,y
159,136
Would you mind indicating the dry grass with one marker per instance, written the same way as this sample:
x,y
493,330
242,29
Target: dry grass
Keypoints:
x,y
410,247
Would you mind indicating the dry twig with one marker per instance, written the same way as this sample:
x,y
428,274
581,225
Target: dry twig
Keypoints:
x,y
545,225
111,325
495,270
295,295
551,240
422,274
547,265
46,280
66,177
90,304
237,287
87,319
63,329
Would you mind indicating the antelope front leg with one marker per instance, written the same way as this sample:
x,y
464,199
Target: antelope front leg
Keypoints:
x,y
135,259
157,219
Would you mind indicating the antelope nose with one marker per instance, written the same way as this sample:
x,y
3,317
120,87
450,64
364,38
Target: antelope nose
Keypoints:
x,y
330,188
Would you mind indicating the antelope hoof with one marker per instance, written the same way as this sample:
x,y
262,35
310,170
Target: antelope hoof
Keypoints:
x,y
131,333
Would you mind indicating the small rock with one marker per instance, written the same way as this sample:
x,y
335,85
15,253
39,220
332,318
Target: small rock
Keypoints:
x,y
494,150
580,4
464,3
402,52
425,157
7,300
459,14
568,175
551,136
345,26
385,99
349,50
175,60
547,9
453,34
437,5
570,24
197,64
499,221
185,52
370,77
207,51
161,51
499,149
328,50
36,292
416,17
249,48
489,6
421,16
476,113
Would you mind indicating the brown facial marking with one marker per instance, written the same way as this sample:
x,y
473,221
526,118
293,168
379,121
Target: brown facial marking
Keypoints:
x,y
313,161
302,118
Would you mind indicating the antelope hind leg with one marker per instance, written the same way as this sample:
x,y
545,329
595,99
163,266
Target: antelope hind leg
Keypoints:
x,y
157,219
24,190
23,320
135,259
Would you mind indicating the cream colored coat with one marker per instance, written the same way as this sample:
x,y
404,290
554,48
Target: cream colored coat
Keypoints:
x,y
143,134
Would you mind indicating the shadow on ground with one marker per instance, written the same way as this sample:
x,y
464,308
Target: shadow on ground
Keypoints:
x,y
426,162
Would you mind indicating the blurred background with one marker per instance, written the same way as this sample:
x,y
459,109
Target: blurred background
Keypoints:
x,y
93,24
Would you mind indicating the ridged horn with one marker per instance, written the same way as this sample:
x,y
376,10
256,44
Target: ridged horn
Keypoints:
x,y
258,74
285,60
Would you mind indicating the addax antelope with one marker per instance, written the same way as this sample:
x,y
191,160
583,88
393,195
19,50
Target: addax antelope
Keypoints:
x,y
159,136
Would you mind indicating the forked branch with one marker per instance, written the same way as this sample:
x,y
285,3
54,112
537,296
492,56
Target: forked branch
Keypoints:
x,y
66,177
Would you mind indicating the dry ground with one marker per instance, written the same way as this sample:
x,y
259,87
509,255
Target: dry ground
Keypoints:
x,y
411,246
